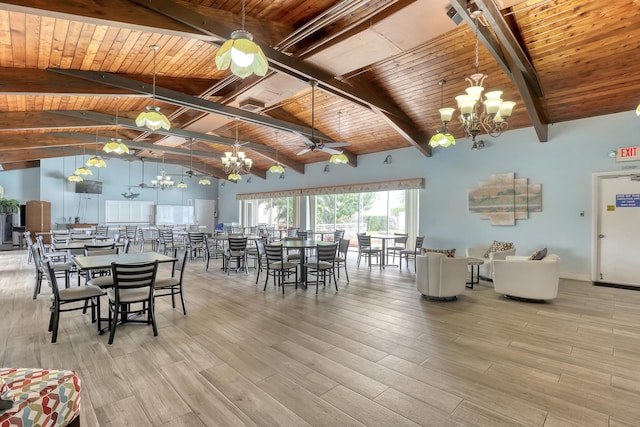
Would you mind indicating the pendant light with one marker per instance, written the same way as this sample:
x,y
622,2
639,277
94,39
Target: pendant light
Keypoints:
x,y
241,54
116,145
96,161
151,117
443,137
75,177
339,158
277,167
82,170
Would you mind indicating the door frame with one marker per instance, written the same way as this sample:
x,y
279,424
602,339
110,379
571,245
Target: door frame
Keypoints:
x,y
595,210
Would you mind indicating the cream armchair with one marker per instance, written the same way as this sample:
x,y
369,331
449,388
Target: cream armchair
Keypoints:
x,y
440,277
520,277
486,269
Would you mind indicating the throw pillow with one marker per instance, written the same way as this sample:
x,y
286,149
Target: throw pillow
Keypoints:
x,y
498,247
451,253
538,255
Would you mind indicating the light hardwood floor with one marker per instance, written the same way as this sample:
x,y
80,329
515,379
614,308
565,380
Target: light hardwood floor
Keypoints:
x,y
375,353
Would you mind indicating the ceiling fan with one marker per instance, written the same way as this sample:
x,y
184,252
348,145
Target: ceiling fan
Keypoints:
x,y
313,143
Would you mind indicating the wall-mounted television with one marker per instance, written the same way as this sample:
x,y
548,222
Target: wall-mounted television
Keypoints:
x,y
90,187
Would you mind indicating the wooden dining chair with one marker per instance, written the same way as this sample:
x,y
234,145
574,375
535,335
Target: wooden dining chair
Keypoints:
x,y
133,284
64,300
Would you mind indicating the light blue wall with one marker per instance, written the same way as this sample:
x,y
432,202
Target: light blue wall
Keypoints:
x,y
49,183
564,166
22,185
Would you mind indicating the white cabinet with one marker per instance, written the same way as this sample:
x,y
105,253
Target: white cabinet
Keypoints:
x,y
129,211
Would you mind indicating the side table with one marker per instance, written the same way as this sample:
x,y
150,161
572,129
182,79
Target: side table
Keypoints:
x,y
475,264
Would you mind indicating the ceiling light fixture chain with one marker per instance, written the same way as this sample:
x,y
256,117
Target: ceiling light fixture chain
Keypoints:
x,y
242,54
151,117
490,115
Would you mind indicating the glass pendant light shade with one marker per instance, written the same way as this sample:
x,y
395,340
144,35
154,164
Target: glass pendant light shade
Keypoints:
x,y
446,114
83,171
75,178
153,119
181,184
638,110
204,181
506,108
115,146
442,140
242,55
339,159
277,168
234,177
96,162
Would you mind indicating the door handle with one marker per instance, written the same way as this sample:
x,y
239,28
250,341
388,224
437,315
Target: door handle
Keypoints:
x,y
600,236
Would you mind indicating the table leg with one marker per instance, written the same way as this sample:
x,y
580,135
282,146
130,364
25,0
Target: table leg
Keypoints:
x,y
477,280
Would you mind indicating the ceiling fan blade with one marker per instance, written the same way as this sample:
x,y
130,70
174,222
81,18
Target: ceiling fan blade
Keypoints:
x,y
330,150
306,150
336,144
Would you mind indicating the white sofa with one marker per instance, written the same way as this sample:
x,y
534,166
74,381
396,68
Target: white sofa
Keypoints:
x,y
486,270
520,277
440,277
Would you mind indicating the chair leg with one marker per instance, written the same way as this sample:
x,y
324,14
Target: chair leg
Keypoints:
x,y
152,317
56,323
113,319
36,290
184,307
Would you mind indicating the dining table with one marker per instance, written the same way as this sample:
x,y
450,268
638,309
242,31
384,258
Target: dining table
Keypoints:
x,y
303,245
100,262
75,245
383,255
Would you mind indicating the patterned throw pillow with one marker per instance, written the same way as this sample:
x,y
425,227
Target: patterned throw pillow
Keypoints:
x,y
538,255
498,247
451,253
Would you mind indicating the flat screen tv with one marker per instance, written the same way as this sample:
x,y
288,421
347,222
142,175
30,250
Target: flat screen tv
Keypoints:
x,y
90,187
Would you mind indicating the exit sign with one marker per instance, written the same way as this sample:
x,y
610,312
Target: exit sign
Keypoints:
x,y
627,154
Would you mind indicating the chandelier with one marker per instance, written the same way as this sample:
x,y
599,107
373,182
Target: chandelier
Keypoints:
x,y
490,115
242,54
162,181
236,162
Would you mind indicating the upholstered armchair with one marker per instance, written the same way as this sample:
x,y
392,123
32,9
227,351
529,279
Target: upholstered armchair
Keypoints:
x,y
440,277
489,256
521,277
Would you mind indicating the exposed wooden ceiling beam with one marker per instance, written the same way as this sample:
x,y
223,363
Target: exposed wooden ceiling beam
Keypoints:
x,y
117,13
183,100
299,70
21,81
514,62
259,149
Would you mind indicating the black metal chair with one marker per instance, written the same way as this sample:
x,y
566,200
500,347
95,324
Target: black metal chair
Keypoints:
x,y
196,245
63,299
237,250
399,244
213,250
278,267
323,265
412,253
341,257
172,286
133,284
366,250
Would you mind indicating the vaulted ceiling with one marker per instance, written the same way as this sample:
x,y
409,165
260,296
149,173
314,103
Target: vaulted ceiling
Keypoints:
x,y
71,70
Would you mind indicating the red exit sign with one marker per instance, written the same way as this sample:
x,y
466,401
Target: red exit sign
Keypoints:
x,y
627,154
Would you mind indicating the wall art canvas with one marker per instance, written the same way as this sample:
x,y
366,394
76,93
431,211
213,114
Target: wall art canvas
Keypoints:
x,y
504,198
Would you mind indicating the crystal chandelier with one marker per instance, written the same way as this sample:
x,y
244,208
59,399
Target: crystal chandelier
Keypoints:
x,y
490,115
235,162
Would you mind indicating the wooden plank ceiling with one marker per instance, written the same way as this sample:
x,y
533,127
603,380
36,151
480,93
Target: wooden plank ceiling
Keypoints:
x,y
71,71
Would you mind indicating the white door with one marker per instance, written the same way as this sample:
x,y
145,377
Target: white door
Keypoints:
x,y
617,231
205,214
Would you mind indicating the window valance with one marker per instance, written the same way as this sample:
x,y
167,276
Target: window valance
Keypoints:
x,y
399,184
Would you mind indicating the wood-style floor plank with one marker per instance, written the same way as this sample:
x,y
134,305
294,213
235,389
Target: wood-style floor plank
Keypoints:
x,y
374,353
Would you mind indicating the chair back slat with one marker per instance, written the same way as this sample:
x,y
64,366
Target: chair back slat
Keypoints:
x,y
326,252
134,276
237,244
